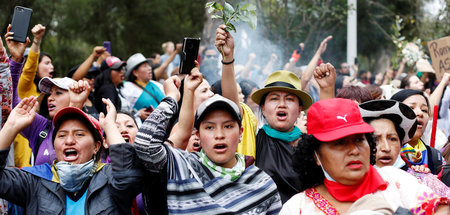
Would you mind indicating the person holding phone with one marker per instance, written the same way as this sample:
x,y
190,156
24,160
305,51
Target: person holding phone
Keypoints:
x,y
215,180
22,152
37,66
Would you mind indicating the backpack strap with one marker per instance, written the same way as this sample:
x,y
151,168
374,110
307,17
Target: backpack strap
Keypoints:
x,y
148,92
42,135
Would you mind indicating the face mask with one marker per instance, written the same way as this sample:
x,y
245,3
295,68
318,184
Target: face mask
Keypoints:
x,y
324,172
73,176
399,163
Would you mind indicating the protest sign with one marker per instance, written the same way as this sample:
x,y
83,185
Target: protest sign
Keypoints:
x,y
440,55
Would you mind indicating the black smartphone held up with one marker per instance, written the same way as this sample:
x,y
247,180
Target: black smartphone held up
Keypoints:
x,y
107,45
189,54
21,23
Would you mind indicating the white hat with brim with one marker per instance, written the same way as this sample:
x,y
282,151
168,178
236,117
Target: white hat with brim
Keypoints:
x,y
134,61
46,84
423,65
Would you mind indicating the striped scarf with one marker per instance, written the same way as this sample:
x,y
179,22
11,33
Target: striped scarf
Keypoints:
x,y
232,174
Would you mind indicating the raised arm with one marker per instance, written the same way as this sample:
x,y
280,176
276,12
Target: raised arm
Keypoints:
x,y
108,124
31,65
296,54
78,93
19,118
435,97
246,70
325,75
15,184
150,138
401,67
84,67
308,73
269,66
16,50
160,72
180,136
38,32
225,42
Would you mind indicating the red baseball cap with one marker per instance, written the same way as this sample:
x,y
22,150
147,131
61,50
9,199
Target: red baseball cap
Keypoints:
x,y
112,62
73,110
332,119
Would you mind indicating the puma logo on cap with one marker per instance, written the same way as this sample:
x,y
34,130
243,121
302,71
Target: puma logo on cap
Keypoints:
x,y
342,117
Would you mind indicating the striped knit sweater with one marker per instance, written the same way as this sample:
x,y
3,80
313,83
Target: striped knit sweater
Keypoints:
x,y
191,187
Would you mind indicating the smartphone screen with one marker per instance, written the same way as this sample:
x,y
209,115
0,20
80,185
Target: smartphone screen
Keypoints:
x,y
107,45
21,23
189,54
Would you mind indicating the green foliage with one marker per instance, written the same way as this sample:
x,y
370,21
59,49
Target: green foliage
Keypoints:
x,y
228,14
290,22
74,27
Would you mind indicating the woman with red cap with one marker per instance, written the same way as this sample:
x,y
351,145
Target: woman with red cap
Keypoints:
x,y
334,162
77,182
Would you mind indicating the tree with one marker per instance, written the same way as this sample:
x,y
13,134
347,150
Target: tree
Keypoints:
x,y
74,27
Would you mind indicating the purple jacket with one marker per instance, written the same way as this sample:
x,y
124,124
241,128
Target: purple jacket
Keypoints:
x,y
46,152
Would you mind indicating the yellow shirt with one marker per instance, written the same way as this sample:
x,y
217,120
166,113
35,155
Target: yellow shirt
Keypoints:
x,y
22,152
249,122
142,84
26,86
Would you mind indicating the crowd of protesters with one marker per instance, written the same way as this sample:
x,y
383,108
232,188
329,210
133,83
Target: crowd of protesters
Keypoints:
x,y
133,136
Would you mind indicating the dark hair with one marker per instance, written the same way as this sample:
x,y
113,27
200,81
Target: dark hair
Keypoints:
x,y
310,174
128,114
131,77
359,94
84,121
375,91
102,79
247,86
36,77
339,83
154,54
402,95
43,107
396,121
208,48
405,81
446,150
216,88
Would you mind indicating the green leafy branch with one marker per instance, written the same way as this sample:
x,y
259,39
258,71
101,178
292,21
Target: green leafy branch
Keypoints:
x,y
410,50
228,14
